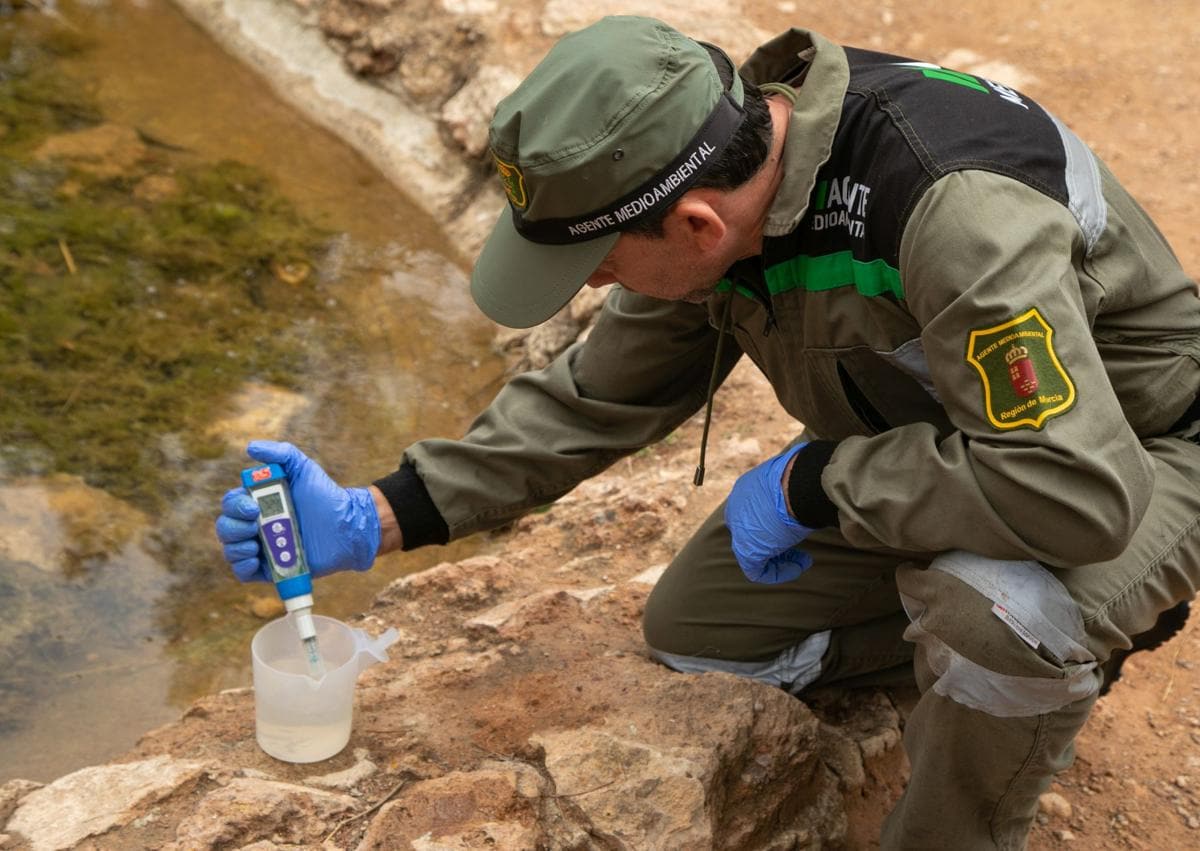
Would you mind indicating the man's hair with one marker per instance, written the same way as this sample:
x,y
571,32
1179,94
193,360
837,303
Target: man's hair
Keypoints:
x,y
740,161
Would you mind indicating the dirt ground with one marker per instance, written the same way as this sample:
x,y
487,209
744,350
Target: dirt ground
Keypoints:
x,y
1124,76
1136,778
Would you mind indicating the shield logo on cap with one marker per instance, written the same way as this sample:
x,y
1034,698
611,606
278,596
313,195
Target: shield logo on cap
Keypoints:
x,y
514,182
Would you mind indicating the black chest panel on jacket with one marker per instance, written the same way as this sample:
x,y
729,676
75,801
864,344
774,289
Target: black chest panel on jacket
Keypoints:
x,y
834,281
904,125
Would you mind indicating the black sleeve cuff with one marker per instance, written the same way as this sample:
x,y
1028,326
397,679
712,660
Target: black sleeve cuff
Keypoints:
x,y
807,498
420,521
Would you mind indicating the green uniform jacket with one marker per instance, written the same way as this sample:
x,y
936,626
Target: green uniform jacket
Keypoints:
x,y
986,324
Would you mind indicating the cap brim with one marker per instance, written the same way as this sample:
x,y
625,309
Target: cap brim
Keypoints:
x,y
520,284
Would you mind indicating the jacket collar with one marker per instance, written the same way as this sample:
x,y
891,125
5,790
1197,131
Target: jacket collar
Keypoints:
x,y
816,111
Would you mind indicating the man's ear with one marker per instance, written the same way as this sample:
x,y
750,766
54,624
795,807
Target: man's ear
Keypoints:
x,y
696,224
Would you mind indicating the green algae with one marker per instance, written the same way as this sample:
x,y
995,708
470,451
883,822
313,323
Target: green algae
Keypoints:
x,y
33,102
127,316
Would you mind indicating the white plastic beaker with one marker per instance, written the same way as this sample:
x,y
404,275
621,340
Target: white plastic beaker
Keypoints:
x,y
297,718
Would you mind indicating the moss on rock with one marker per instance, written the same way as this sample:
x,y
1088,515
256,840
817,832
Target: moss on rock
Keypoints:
x,y
125,315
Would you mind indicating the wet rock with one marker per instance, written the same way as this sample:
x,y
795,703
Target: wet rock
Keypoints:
x,y
248,810
26,593
155,188
60,521
94,800
105,151
258,409
308,68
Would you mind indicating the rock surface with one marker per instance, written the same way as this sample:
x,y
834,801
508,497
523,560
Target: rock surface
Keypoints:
x,y
97,799
519,709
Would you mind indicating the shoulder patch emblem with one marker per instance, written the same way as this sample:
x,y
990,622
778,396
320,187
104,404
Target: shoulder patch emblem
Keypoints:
x,y
1024,383
514,182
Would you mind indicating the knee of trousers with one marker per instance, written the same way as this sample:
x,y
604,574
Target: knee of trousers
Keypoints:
x,y
1002,637
792,670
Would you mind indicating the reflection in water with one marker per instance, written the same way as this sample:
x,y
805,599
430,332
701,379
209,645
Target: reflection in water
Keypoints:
x,y
118,609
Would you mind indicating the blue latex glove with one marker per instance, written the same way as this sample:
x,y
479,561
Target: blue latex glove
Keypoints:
x,y
339,526
764,533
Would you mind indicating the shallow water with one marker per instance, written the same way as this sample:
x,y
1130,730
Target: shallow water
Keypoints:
x,y
118,610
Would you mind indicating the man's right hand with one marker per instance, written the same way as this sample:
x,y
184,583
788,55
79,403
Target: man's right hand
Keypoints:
x,y
340,527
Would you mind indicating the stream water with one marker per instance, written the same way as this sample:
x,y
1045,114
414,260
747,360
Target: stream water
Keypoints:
x,y
319,306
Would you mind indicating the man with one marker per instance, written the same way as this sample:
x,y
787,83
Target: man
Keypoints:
x,y
993,351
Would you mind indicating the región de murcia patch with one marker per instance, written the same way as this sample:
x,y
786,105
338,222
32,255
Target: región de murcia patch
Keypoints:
x,y
1024,383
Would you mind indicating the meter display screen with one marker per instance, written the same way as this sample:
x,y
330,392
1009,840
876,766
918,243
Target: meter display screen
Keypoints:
x,y
270,504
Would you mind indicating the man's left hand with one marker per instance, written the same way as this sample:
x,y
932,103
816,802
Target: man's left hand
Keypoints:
x,y
763,530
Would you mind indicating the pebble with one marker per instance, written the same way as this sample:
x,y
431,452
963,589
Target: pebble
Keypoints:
x,y
1054,804
1064,835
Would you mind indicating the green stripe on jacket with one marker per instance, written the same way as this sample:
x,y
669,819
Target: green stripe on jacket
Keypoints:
x,y
829,272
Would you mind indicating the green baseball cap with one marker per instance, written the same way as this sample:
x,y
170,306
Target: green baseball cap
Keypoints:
x,y
615,124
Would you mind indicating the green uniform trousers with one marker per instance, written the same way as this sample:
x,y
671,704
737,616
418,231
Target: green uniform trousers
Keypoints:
x,y
1006,653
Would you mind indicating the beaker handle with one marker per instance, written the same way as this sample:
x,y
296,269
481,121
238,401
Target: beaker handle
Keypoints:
x,y
370,650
